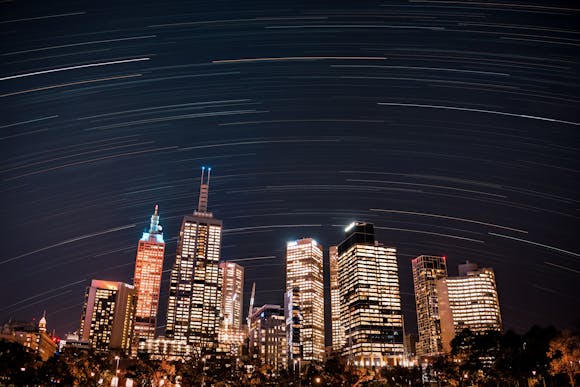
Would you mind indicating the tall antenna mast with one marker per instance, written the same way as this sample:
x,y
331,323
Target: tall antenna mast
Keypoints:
x,y
203,190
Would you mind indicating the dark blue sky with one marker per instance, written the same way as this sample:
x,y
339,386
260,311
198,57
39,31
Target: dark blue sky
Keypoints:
x,y
451,125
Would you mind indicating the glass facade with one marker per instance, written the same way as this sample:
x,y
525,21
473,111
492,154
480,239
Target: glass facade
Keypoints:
x,y
337,328
427,269
370,299
304,272
193,312
147,279
469,301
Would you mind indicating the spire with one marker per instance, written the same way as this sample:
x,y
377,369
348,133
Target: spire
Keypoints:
x,y
154,227
42,323
203,190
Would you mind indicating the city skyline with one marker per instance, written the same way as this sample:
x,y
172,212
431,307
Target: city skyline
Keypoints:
x,y
451,126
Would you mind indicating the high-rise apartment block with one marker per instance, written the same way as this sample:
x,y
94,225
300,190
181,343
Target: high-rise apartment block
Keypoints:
x,y
427,270
232,285
304,273
267,337
370,299
147,279
337,328
469,301
193,312
109,315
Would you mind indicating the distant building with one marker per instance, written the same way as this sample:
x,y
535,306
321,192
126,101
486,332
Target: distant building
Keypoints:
x,y
468,301
109,315
411,341
232,286
72,341
147,279
370,299
31,336
337,328
304,271
231,335
293,323
267,337
427,269
163,348
193,312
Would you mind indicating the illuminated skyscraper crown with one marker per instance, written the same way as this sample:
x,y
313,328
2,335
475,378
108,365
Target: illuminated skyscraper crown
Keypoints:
x,y
155,230
203,193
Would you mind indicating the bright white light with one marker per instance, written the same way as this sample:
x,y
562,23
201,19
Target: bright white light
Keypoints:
x,y
292,243
347,229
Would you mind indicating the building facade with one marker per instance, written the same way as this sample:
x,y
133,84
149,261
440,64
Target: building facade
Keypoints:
x,y
108,315
469,301
304,271
193,312
370,299
32,336
427,270
147,279
337,328
293,323
267,337
232,285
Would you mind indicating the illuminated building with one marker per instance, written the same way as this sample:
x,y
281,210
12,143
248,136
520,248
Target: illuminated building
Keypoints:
x,y
193,312
232,293
267,338
468,301
304,272
337,329
162,348
231,335
427,269
293,323
147,279
31,336
109,315
370,300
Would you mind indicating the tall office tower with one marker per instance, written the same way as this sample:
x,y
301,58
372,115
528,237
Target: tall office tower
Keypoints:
x,y
337,328
109,315
232,294
267,338
427,269
468,301
293,320
304,271
147,279
193,311
370,311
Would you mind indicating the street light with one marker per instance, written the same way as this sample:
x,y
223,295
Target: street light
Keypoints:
x,y
117,358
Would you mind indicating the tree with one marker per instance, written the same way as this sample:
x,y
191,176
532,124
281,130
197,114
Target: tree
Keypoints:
x,y
564,353
17,364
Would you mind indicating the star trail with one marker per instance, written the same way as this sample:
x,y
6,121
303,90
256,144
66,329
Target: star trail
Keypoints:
x,y
450,125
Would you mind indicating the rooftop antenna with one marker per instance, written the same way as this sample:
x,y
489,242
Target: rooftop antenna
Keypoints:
x,y
203,190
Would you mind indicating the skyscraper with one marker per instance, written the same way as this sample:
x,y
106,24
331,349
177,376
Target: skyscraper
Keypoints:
x,y
370,312
304,272
109,315
232,294
147,279
468,301
427,269
193,311
337,328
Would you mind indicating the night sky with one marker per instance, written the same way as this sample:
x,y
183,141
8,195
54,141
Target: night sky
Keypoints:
x,y
451,125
